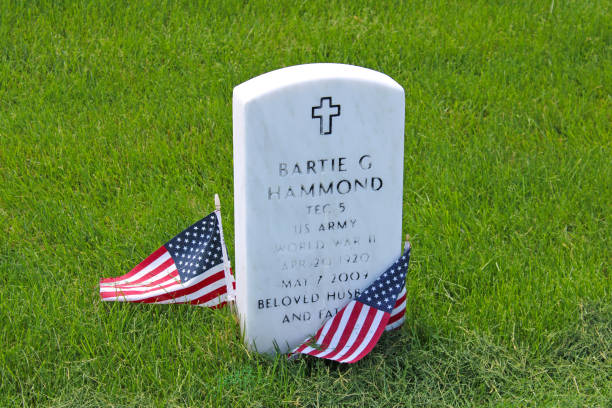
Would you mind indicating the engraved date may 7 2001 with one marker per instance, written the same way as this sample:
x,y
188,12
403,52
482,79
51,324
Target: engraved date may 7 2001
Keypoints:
x,y
331,278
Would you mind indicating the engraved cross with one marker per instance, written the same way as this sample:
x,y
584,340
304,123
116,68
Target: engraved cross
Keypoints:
x,y
325,112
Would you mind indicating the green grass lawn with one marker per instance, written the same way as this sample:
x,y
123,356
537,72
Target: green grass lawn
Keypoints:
x,y
115,133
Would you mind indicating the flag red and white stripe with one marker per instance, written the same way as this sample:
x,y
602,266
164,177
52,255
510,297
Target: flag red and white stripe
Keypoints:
x,y
156,280
354,331
191,268
349,335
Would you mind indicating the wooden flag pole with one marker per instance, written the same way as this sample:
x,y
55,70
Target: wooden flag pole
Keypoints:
x,y
229,280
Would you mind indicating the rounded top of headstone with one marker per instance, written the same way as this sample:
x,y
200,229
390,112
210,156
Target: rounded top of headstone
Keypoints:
x,y
300,74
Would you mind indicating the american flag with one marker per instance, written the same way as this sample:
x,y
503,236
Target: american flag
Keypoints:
x,y
354,331
192,267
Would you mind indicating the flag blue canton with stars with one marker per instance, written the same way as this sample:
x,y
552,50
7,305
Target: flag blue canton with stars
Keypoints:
x,y
197,249
383,293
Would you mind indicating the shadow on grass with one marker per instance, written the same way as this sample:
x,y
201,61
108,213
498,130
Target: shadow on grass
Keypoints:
x,y
412,366
409,367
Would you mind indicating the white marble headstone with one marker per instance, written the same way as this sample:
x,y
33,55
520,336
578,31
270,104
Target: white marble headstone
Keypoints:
x,y
318,173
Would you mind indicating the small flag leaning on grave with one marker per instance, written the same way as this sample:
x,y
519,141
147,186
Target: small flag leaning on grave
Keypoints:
x,y
192,267
352,333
